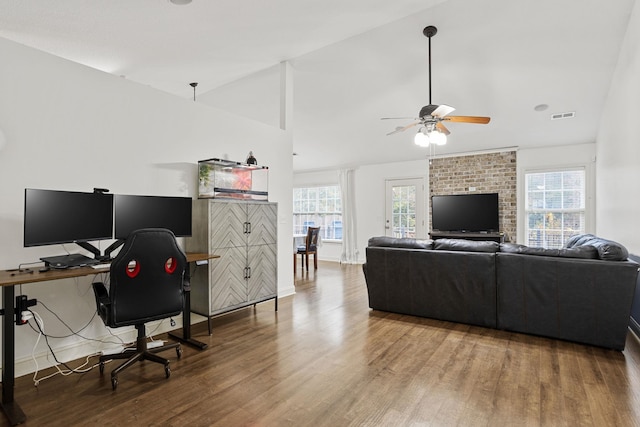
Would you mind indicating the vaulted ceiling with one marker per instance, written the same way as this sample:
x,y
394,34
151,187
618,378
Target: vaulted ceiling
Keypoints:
x,y
353,62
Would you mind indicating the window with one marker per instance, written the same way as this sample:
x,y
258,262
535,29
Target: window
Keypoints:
x,y
554,207
318,206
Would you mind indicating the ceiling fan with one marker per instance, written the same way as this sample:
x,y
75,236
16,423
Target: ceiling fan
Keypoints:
x,y
431,117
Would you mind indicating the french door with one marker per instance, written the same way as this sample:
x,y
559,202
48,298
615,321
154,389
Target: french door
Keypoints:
x,y
405,210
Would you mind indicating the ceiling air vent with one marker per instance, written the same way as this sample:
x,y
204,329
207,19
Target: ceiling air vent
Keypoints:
x,y
559,116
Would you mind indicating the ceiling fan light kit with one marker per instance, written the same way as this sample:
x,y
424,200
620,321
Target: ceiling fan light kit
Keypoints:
x,y
430,117
421,139
429,135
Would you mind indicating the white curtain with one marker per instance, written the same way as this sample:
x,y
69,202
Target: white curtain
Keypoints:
x,y
346,178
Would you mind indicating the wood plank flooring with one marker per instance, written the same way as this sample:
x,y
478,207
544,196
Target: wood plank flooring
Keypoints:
x,y
326,359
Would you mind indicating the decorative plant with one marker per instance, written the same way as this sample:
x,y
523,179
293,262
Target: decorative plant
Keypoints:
x,y
203,174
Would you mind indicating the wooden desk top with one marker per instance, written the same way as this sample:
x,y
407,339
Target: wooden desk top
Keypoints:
x,y
32,275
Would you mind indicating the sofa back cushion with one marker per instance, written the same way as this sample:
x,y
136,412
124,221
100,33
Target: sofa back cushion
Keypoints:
x,y
583,252
466,245
395,242
607,249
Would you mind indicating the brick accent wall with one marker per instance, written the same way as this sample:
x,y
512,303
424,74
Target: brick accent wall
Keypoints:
x,y
488,173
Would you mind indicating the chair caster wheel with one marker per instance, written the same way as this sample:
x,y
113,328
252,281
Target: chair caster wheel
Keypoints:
x,y
114,383
179,352
167,371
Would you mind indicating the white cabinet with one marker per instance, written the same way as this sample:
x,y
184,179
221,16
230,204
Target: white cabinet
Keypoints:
x,y
244,235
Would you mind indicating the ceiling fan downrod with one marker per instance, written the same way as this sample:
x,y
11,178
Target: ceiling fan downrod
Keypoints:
x,y
429,32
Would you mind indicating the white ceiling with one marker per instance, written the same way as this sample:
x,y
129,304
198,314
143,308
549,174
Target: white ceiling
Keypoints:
x,y
353,62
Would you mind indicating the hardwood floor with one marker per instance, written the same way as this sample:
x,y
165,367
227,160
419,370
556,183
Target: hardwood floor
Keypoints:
x,y
326,359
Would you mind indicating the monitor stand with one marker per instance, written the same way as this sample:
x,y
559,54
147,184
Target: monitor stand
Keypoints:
x,y
115,245
78,260
95,251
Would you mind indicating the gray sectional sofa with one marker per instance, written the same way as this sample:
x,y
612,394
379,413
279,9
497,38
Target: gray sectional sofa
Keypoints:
x,y
580,293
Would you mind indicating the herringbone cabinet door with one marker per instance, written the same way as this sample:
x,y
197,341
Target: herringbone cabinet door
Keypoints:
x,y
227,225
228,287
263,262
263,220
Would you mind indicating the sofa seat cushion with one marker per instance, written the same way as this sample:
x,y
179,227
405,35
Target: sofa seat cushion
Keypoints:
x,y
607,249
466,245
583,252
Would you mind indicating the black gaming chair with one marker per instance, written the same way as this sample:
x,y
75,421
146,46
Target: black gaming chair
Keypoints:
x,y
146,284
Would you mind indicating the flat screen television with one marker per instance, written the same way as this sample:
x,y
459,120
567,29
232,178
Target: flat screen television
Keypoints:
x,y
136,212
55,217
465,212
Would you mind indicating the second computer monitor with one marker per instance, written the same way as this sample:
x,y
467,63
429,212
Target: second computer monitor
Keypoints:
x,y
136,212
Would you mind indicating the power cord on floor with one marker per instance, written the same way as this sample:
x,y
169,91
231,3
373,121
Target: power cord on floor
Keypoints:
x,y
74,333
68,371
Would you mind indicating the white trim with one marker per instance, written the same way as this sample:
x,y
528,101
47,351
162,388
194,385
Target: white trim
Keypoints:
x,y
475,153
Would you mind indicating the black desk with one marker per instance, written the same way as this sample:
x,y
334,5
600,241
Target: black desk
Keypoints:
x,y
8,280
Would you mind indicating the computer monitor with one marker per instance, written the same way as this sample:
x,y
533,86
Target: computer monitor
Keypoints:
x,y
135,212
54,217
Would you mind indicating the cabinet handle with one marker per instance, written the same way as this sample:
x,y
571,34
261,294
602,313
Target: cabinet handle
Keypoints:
x,y
247,272
245,227
248,228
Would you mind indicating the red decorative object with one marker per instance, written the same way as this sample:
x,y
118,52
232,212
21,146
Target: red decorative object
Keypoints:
x,y
170,265
133,268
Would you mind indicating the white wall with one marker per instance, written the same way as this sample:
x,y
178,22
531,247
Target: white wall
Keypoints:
x,y
70,127
370,197
553,158
618,147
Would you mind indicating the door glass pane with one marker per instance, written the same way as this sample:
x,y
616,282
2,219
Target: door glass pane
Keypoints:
x,y
404,211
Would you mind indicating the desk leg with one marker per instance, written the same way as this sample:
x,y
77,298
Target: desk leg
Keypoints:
x,y
185,337
9,406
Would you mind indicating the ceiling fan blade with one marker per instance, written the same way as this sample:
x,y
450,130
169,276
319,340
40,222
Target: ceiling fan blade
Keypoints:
x,y
468,119
398,129
403,128
442,111
427,110
442,128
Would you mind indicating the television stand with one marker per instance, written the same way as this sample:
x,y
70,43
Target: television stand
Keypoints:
x,y
488,236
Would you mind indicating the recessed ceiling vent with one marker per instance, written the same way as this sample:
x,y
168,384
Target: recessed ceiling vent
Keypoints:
x,y
559,116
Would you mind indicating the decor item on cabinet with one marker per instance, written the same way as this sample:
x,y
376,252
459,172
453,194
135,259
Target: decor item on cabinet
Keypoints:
x,y
228,179
251,160
244,234
310,247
